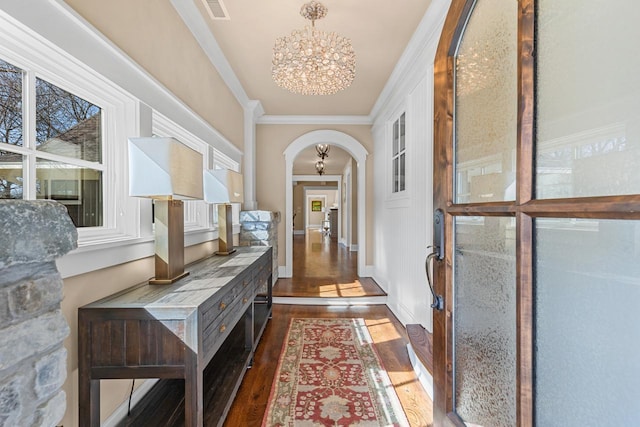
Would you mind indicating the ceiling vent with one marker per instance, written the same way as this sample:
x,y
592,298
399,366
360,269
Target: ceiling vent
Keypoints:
x,y
216,9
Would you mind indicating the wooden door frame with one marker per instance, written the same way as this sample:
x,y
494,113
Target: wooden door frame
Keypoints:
x,y
444,66
525,209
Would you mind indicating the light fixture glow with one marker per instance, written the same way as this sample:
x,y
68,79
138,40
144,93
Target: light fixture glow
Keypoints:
x,y
312,61
323,150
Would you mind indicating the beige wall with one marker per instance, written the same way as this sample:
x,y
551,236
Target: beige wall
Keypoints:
x,y
271,142
152,33
86,288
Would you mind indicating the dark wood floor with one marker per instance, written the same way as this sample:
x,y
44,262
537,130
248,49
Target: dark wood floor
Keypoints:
x,y
324,269
390,340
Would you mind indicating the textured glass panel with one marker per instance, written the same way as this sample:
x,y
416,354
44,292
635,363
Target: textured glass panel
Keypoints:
x,y
587,323
79,189
485,321
588,98
486,104
66,124
10,175
10,104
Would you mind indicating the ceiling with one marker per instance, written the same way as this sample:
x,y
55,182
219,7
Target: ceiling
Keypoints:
x,y
379,30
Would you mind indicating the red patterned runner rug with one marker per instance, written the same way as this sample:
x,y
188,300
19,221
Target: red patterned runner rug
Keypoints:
x,y
329,374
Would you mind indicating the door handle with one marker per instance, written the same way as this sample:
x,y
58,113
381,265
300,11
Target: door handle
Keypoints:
x,y
438,233
437,254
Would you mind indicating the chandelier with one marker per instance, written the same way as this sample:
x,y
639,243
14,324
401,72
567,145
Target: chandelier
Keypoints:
x,y
322,150
312,61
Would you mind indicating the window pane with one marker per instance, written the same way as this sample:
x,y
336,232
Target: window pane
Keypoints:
x,y
395,138
588,98
587,322
402,172
395,175
10,175
66,124
485,320
402,132
10,104
486,103
79,189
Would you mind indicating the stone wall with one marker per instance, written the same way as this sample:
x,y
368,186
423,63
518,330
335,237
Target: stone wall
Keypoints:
x,y
32,328
260,228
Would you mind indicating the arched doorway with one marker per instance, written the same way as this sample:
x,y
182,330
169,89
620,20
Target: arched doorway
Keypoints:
x,y
359,153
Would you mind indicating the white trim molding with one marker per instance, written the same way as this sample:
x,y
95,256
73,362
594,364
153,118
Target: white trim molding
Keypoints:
x,y
315,120
193,19
359,153
252,111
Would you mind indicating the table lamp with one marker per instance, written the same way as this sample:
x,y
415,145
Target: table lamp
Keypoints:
x,y
223,186
167,171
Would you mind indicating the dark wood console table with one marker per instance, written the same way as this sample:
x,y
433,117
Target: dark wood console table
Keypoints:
x,y
197,335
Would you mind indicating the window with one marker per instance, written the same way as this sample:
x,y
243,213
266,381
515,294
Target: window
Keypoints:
x,y
398,155
50,145
197,214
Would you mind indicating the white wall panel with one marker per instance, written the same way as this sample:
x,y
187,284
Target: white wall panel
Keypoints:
x,y
403,224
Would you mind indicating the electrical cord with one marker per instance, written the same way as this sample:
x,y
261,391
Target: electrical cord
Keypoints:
x,y
130,397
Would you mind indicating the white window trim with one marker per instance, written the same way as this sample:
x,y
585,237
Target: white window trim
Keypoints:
x,y
26,50
69,60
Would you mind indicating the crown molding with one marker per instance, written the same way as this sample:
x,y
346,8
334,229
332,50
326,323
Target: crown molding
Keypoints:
x,y
415,58
195,22
84,44
315,120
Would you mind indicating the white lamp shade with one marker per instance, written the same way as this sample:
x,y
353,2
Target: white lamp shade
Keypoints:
x,y
223,186
164,168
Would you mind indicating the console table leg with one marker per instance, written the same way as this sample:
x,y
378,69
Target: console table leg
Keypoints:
x,y
89,404
193,394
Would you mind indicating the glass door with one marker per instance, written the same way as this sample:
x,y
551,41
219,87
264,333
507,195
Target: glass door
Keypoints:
x,y
540,191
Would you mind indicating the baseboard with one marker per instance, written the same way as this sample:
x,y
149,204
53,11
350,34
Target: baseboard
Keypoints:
x,y
354,248
282,272
424,377
121,411
298,232
346,301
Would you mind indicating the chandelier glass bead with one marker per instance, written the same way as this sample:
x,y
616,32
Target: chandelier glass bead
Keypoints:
x,y
312,61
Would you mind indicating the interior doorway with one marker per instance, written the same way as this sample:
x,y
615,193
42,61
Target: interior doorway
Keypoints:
x,y
359,155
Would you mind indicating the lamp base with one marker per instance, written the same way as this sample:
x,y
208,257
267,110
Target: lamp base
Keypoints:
x,y
168,281
225,252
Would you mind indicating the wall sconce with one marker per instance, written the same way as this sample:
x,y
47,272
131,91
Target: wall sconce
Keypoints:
x,y
222,187
167,171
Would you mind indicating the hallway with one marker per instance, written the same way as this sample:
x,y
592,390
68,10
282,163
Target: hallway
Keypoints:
x,y
324,269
